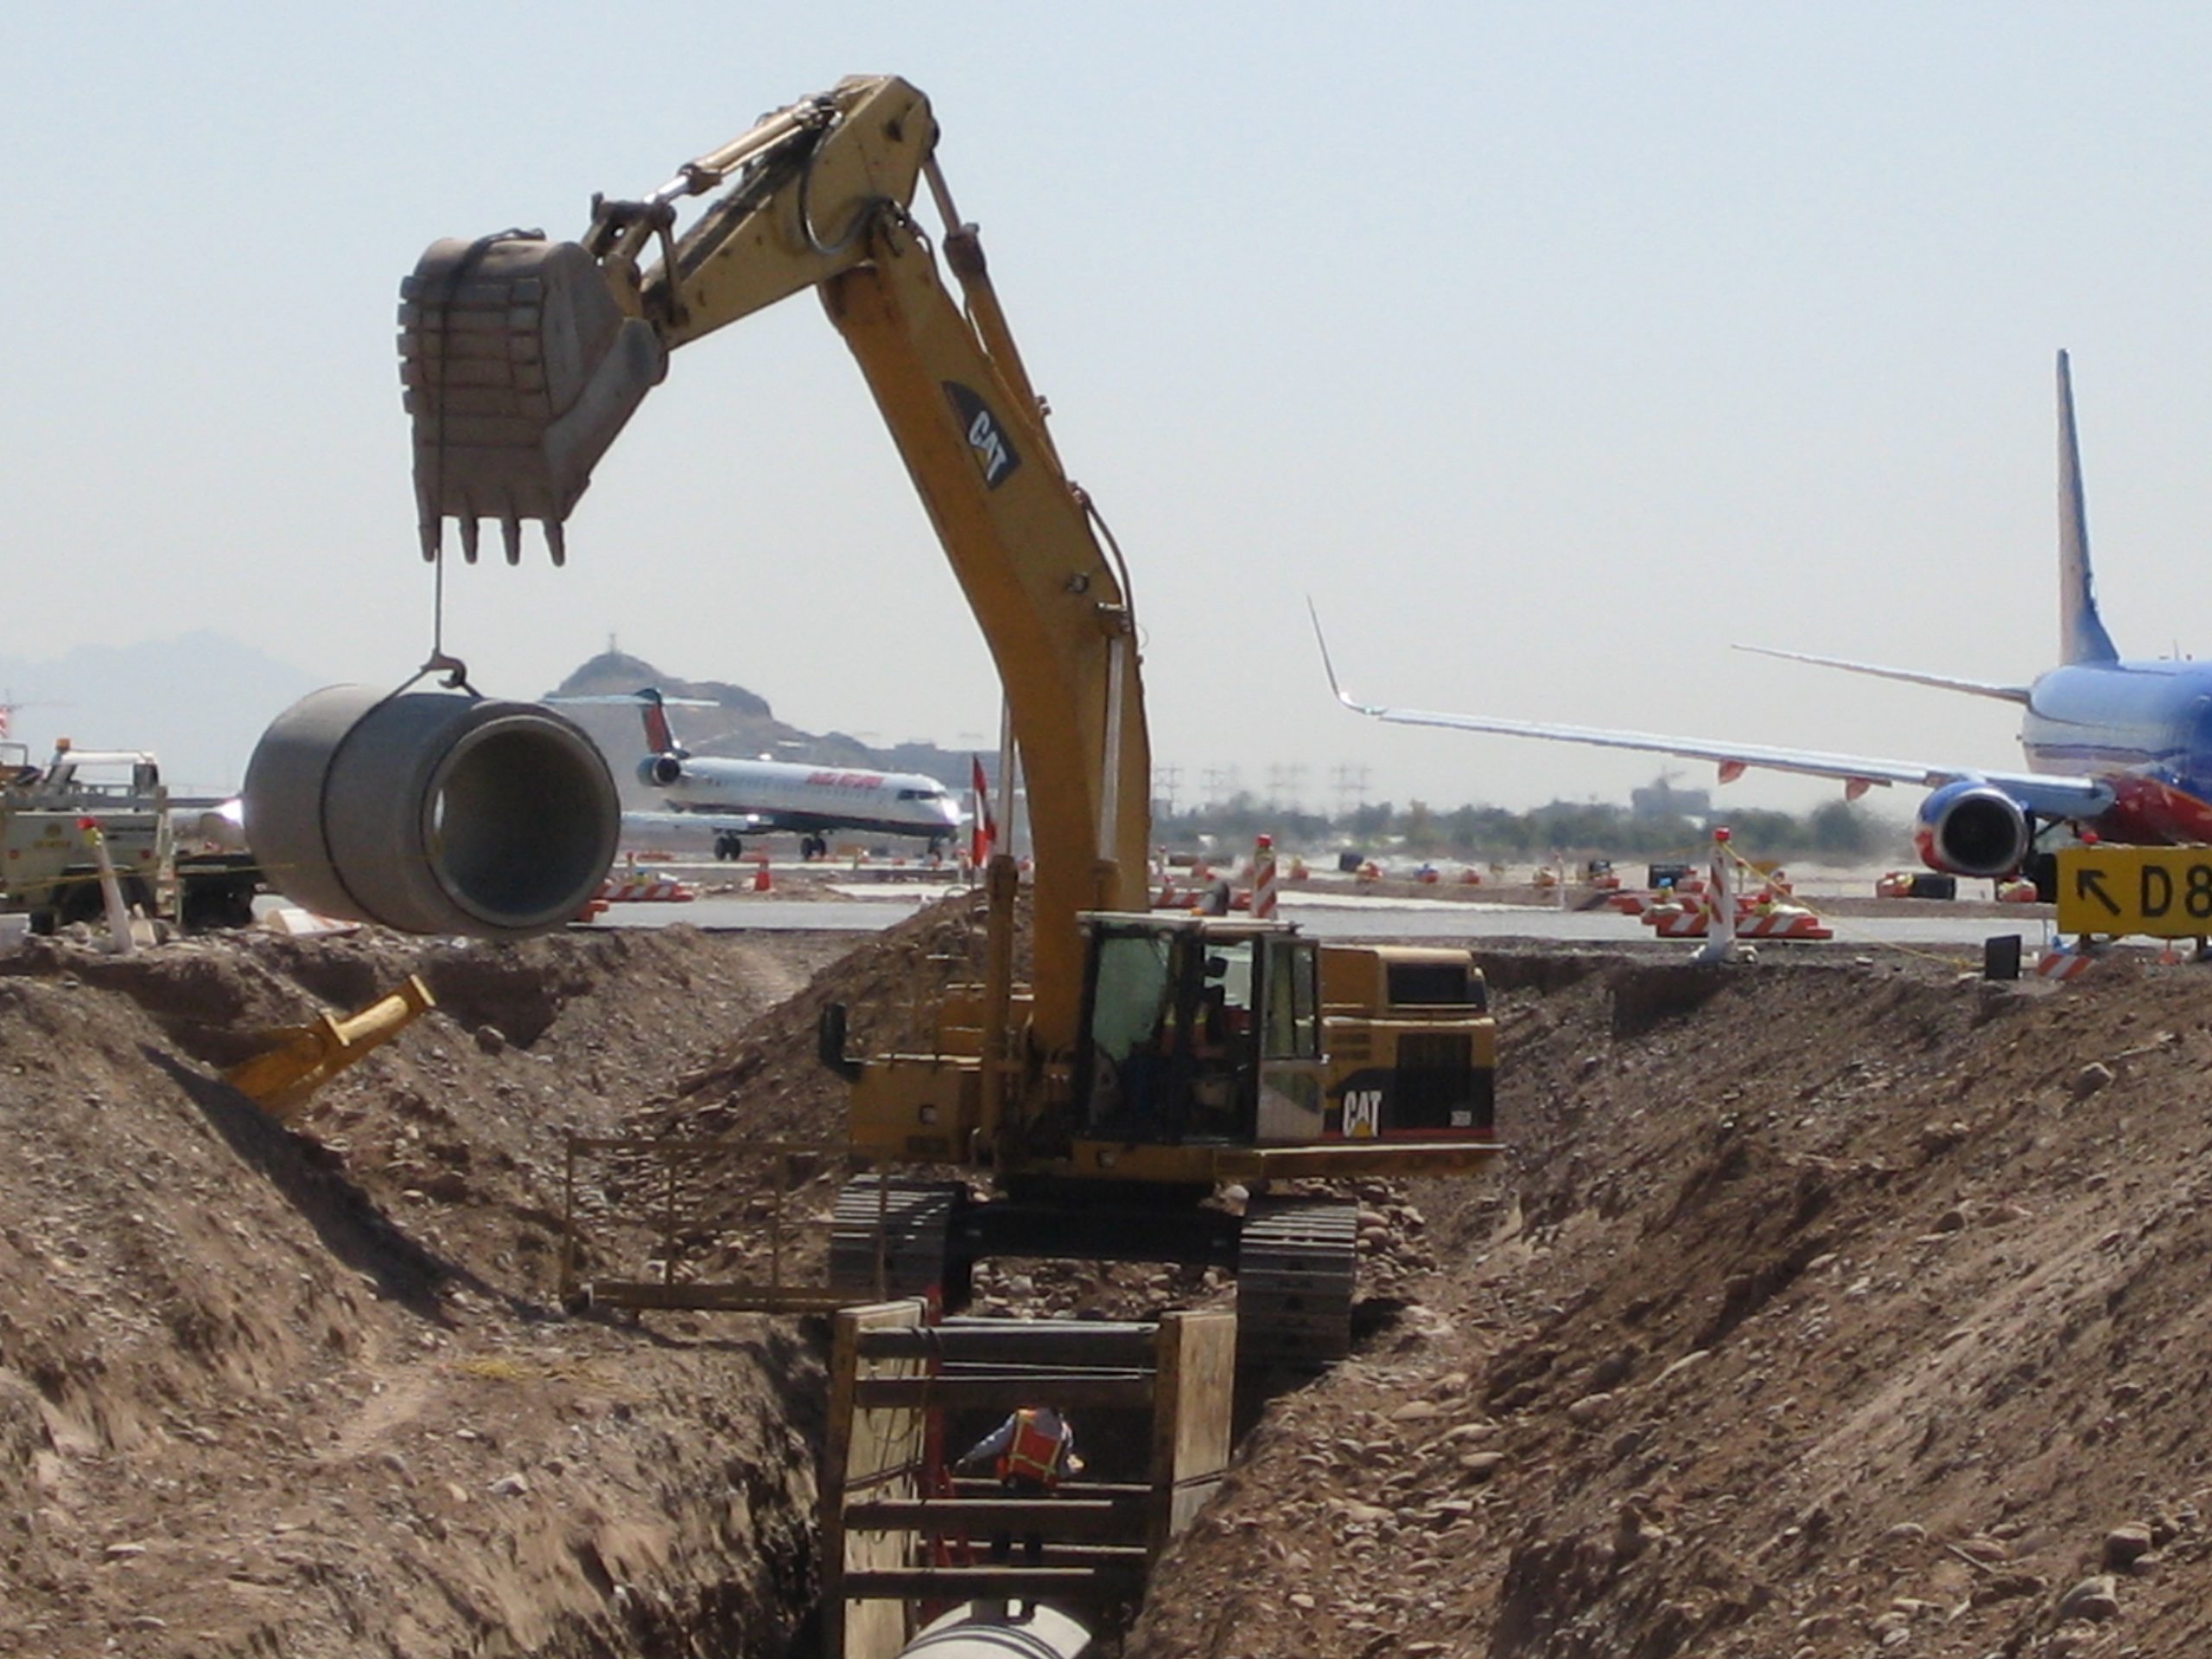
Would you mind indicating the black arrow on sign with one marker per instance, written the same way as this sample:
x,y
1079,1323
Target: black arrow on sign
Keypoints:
x,y
2090,883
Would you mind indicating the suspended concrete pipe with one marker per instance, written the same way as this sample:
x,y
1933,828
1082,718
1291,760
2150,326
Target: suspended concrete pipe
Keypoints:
x,y
984,1629
431,812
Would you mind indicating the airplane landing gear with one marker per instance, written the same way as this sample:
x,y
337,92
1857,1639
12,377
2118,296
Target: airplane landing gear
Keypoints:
x,y
727,846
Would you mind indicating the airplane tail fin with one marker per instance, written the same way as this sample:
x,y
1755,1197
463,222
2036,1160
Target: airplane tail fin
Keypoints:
x,y
984,838
659,738
2081,636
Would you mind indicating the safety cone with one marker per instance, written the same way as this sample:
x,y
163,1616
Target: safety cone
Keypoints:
x,y
760,883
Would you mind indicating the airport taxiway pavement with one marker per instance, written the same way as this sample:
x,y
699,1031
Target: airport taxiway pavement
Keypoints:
x,y
1338,916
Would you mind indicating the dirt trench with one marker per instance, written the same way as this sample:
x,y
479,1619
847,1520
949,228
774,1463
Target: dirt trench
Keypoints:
x,y
1827,1307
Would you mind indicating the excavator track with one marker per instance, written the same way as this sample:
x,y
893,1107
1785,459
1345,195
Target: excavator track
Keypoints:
x,y
912,1220
1297,1262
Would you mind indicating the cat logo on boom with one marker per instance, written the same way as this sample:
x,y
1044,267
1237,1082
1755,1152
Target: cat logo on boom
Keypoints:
x,y
994,451
1363,1113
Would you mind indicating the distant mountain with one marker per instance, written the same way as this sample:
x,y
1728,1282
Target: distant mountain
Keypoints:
x,y
200,702
739,725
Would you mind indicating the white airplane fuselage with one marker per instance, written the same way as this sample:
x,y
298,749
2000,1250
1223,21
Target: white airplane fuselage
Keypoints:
x,y
779,795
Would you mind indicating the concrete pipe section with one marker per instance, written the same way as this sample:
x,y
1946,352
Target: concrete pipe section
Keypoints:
x,y
431,812
984,1629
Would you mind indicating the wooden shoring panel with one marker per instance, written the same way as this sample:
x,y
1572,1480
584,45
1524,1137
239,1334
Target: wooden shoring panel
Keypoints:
x,y
876,1448
1196,1389
1065,1342
1078,1519
955,1391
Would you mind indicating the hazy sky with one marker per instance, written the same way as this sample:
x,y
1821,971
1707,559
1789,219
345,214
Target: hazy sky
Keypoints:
x,y
1550,348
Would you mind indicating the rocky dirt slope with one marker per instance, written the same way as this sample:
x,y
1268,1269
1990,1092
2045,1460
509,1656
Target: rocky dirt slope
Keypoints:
x,y
1825,1309
305,1391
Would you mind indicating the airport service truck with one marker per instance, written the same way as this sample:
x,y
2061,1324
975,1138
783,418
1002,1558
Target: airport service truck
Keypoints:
x,y
174,860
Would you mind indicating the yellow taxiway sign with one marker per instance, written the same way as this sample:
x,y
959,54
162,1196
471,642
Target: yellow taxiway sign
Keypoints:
x,y
2163,892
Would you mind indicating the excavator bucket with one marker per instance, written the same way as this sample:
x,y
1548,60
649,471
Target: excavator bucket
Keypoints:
x,y
520,369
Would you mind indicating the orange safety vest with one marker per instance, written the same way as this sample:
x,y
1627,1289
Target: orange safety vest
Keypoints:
x,y
1033,1453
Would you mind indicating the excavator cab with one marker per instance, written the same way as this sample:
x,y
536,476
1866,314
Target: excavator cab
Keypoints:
x,y
1200,1031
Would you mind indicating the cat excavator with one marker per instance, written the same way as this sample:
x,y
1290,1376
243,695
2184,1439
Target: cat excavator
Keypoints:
x,y
1148,1063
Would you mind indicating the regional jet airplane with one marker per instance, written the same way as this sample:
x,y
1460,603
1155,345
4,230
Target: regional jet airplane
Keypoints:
x,y
751,797
2120,749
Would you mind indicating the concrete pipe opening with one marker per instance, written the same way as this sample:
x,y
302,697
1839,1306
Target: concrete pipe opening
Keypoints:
x,y
431,813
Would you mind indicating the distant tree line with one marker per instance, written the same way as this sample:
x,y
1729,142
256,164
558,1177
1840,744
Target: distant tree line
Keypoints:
x,y
1839,831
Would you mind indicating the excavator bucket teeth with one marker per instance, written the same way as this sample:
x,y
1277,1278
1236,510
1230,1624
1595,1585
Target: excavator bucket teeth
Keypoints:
x,y
519,370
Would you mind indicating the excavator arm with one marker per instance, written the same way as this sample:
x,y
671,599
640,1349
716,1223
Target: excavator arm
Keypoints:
x,y
523,358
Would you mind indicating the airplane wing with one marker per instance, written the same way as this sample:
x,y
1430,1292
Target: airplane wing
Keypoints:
x,y
744,823
634,699
2045,794
1942,681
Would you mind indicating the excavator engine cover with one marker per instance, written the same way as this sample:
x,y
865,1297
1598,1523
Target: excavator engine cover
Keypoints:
x,y
520,369
431,813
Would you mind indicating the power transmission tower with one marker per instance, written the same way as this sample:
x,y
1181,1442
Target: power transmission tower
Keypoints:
x,y
1352,781
1167,782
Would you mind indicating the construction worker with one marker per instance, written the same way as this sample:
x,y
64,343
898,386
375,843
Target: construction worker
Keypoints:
x,y
1032,1451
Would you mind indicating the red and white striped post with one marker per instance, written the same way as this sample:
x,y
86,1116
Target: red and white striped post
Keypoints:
x,y
1720,905
1263,878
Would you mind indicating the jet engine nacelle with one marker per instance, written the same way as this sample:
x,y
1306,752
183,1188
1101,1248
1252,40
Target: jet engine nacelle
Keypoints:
x,y
1970,828
661,771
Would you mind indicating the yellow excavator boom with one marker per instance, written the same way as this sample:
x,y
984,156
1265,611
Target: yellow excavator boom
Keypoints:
x,y
523,358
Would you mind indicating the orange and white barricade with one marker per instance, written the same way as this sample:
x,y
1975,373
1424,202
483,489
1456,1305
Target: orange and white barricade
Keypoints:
x,y
2062,964
654,888
1678,921
1783,922
1694,921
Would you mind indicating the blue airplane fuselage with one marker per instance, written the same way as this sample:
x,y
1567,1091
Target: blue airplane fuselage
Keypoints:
x,y
2144,728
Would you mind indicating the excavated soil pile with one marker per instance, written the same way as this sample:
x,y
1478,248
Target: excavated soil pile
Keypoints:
x,y
1823,1310
305,1392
